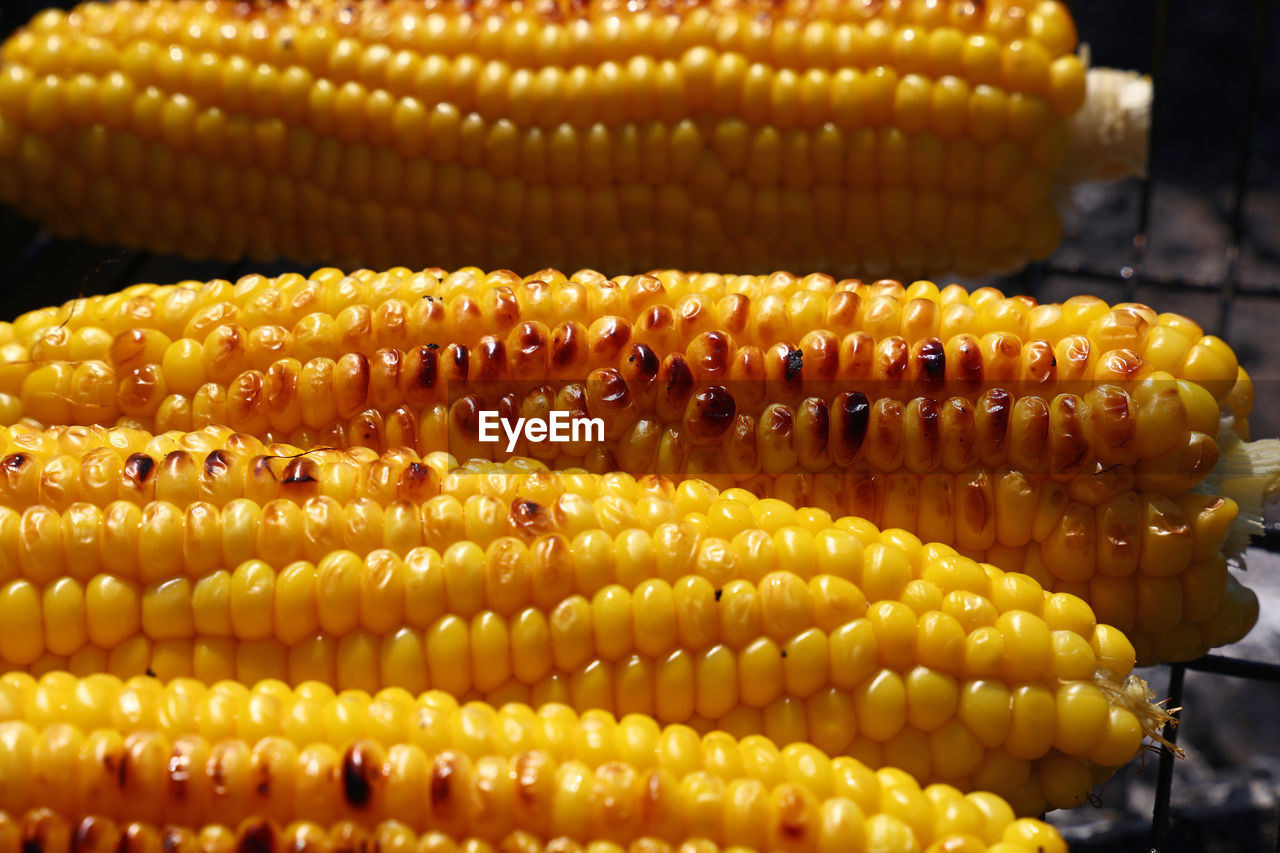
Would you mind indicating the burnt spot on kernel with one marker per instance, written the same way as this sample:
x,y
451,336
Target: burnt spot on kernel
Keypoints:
x,y
260,467
793,363
14,463
792,814
608,336
443,796
932,357
301,471
177,463
216,464
366,430
427,362
927,415
466,414
677,375
256,836
711,353
607,387
815,416
566,344
491,359
139,467
855,415
1070,445
38,832
710,412
131,840
967,363
644,361
719,593
657,319
122,769
358,775
417,481
893,358
995,407
529,518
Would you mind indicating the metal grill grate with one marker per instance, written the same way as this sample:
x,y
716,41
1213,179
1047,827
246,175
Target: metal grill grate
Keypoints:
x,y
36,269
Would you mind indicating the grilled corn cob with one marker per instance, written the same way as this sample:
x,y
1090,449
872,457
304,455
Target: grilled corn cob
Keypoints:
x,y
822,402
47,831
548,327
284,722
748,614
732,135
83,501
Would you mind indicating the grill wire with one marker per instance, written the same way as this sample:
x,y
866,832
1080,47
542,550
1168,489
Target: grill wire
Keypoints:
x,y
37,269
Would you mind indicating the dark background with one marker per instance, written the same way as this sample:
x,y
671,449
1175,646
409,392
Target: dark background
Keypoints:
x,y
1202,237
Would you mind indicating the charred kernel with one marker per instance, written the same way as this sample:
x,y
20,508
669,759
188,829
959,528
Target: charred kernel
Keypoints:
x,y
301,471
530,519
931,356
359,774
256,836
709,413
139,467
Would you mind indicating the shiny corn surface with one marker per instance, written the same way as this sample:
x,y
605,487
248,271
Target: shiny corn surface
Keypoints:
x,y
50,832
223,754
175,350
676,601
709,135
78,503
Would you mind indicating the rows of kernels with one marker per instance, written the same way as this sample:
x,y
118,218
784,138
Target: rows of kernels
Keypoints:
x,y
1149,563
437,722
756,402
330,316
372,744
1146,538
646,413
59,517
53,832
792,660
661,145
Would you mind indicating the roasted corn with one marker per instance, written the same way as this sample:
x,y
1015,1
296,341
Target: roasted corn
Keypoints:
x,y
736,135
308,738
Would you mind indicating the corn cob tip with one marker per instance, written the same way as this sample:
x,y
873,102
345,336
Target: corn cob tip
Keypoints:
x,y
1109,135
1136,696
1248,472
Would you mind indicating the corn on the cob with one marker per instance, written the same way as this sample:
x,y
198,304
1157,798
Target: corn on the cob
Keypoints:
x,y
659,386
432,765
82,501
743,612
42,830
549,327
733,135
323,726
